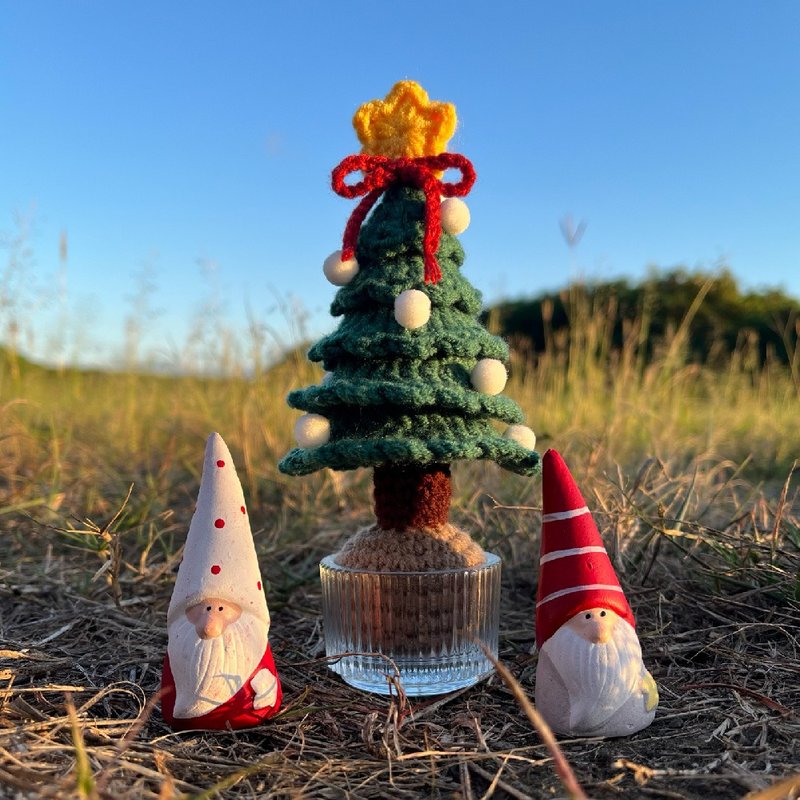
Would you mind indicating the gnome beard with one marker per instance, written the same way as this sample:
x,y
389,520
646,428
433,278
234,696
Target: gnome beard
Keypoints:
x,y
599,678
209,672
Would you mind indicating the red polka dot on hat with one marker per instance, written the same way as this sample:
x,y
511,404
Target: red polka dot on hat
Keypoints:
x,y
216,569
220,463
219,523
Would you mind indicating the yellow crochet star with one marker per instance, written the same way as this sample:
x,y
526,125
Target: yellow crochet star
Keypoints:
x,y
406,123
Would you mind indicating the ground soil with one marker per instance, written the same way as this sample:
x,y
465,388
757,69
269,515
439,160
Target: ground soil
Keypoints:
x,y
79,674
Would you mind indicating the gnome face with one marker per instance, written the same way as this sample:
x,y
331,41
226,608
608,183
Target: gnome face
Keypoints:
x,y
218,621
211,617
595,625
590,679
212,654
596,661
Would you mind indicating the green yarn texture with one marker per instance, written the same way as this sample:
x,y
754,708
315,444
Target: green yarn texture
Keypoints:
x,y
398,396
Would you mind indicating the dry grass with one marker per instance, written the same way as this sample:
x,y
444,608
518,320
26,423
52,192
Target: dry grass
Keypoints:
x,y
690,475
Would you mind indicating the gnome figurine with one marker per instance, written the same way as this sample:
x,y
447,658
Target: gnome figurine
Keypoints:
x,y
590,678
219,672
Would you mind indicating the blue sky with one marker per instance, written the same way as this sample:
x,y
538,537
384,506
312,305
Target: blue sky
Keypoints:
x,y
186,147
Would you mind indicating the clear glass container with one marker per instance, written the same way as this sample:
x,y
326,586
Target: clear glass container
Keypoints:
x,y
426,624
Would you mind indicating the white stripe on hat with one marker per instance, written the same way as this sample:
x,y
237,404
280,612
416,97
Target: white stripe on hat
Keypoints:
x,y
572,551
585,587
556,516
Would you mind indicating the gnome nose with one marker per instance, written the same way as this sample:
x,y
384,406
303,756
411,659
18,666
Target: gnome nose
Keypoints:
x,y
211,624
212,617
599,626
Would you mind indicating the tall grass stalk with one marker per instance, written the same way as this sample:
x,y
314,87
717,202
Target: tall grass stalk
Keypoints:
x,y
583,395
82,437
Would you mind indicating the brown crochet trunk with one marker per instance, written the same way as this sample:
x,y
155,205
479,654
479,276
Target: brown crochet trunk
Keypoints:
x,y
412,533
412,497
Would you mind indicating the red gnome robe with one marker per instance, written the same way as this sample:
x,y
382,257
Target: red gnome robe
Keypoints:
x,y
219,671
590,678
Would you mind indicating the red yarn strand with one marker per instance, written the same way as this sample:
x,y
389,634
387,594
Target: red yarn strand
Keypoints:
x,y
433,230
380,173
354,223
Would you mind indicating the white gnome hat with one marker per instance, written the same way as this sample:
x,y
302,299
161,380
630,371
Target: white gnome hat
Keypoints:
x,y
219,559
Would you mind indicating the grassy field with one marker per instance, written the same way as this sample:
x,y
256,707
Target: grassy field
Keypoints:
x,y
690,473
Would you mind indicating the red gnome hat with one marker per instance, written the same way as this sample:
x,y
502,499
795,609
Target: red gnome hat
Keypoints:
x,y
575,572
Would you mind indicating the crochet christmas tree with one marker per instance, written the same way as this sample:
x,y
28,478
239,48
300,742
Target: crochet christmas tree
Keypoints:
x,y
414,380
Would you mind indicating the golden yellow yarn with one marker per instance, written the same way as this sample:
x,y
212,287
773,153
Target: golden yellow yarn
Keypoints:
x,y
406,123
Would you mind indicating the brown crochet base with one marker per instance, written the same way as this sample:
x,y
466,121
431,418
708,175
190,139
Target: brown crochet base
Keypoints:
x,y
410,550
414,624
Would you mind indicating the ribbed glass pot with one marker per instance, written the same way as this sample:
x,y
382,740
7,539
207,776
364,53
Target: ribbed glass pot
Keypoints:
x,y
426,624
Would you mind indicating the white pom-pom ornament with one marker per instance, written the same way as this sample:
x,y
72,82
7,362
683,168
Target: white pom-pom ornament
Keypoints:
x,y
339,272
412,308
489,376
522,435
312,430
455,215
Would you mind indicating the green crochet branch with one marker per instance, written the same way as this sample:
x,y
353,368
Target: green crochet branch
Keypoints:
x,y
400,396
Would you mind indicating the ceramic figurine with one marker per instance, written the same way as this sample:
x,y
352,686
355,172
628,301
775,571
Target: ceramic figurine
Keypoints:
x,y
219,672
590,678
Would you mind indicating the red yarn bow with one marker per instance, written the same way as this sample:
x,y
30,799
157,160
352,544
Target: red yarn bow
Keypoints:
x,y
381,172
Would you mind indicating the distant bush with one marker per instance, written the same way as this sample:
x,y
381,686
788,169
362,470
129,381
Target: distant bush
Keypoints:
x,y
721,318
